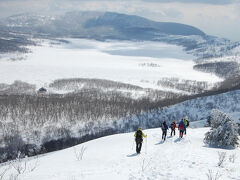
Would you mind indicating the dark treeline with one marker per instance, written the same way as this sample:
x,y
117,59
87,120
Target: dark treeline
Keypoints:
x,y
76,83
193,87
32,123
222,69
12,41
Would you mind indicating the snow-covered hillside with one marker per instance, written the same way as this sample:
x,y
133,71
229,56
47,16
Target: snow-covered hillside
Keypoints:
x,y
145,64
200,108
196,109
113,157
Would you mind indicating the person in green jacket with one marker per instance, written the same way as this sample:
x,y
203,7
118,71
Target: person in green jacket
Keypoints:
x,y
139,135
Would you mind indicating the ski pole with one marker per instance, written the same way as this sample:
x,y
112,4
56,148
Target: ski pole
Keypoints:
x,y
146,145
132,144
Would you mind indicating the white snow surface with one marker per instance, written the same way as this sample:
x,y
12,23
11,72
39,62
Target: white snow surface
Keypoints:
x,y
113,157
119,61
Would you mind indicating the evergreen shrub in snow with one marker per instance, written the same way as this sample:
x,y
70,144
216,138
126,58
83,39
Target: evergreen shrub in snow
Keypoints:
x,y
223,133
238,128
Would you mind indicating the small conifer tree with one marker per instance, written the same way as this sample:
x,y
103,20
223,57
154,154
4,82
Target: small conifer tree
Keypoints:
x,y
224,132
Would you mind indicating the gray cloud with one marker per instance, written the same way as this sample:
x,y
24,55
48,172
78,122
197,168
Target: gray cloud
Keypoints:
x,y
164,1
196,1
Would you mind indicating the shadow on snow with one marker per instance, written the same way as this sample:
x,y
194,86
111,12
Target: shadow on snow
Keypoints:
x,y
132,155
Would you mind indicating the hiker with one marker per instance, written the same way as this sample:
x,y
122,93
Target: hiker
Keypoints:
x,y
181,128
186,122
173,127
164,130
139,135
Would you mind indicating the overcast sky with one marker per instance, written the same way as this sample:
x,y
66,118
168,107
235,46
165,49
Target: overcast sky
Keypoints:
x,y
215,17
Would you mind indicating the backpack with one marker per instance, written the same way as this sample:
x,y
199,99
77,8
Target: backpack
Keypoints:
x,y
187,123
181,126
164,127
139,138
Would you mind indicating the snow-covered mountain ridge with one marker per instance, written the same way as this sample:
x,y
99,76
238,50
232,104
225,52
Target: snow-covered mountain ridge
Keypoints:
x,y
196,109
109,25
28,20
78,20
200,108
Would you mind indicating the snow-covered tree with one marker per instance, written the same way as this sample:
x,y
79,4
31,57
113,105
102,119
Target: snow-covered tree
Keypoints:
x,y
224,132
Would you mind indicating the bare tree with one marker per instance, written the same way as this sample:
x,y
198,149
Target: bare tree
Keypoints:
x,y
32,166
79,152
20,166
221,158
3,172
232,157
211,175
13,177
23,165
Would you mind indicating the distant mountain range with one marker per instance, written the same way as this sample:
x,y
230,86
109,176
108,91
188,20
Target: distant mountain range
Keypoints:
x,y
109,25
18,31
98,25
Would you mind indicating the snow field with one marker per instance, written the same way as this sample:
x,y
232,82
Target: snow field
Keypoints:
x,y
114,157
118,61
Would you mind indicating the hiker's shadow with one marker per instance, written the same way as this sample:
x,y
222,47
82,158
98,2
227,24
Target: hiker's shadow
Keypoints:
x,y
177,140
161,142
132,155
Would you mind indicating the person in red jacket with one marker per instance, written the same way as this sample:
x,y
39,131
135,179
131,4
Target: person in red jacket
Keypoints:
x,y
181,128
173,126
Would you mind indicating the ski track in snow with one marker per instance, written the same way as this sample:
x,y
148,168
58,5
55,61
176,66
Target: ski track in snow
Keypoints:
x,y
114,157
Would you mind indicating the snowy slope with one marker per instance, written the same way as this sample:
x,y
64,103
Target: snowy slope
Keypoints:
x,y
198,108
113,157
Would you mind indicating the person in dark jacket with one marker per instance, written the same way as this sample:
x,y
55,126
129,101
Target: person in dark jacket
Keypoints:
x,y
173,126
181,128
164,130
186,125
139,135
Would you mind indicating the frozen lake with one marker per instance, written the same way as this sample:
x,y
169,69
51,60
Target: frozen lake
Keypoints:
x,y
137,63
137,49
